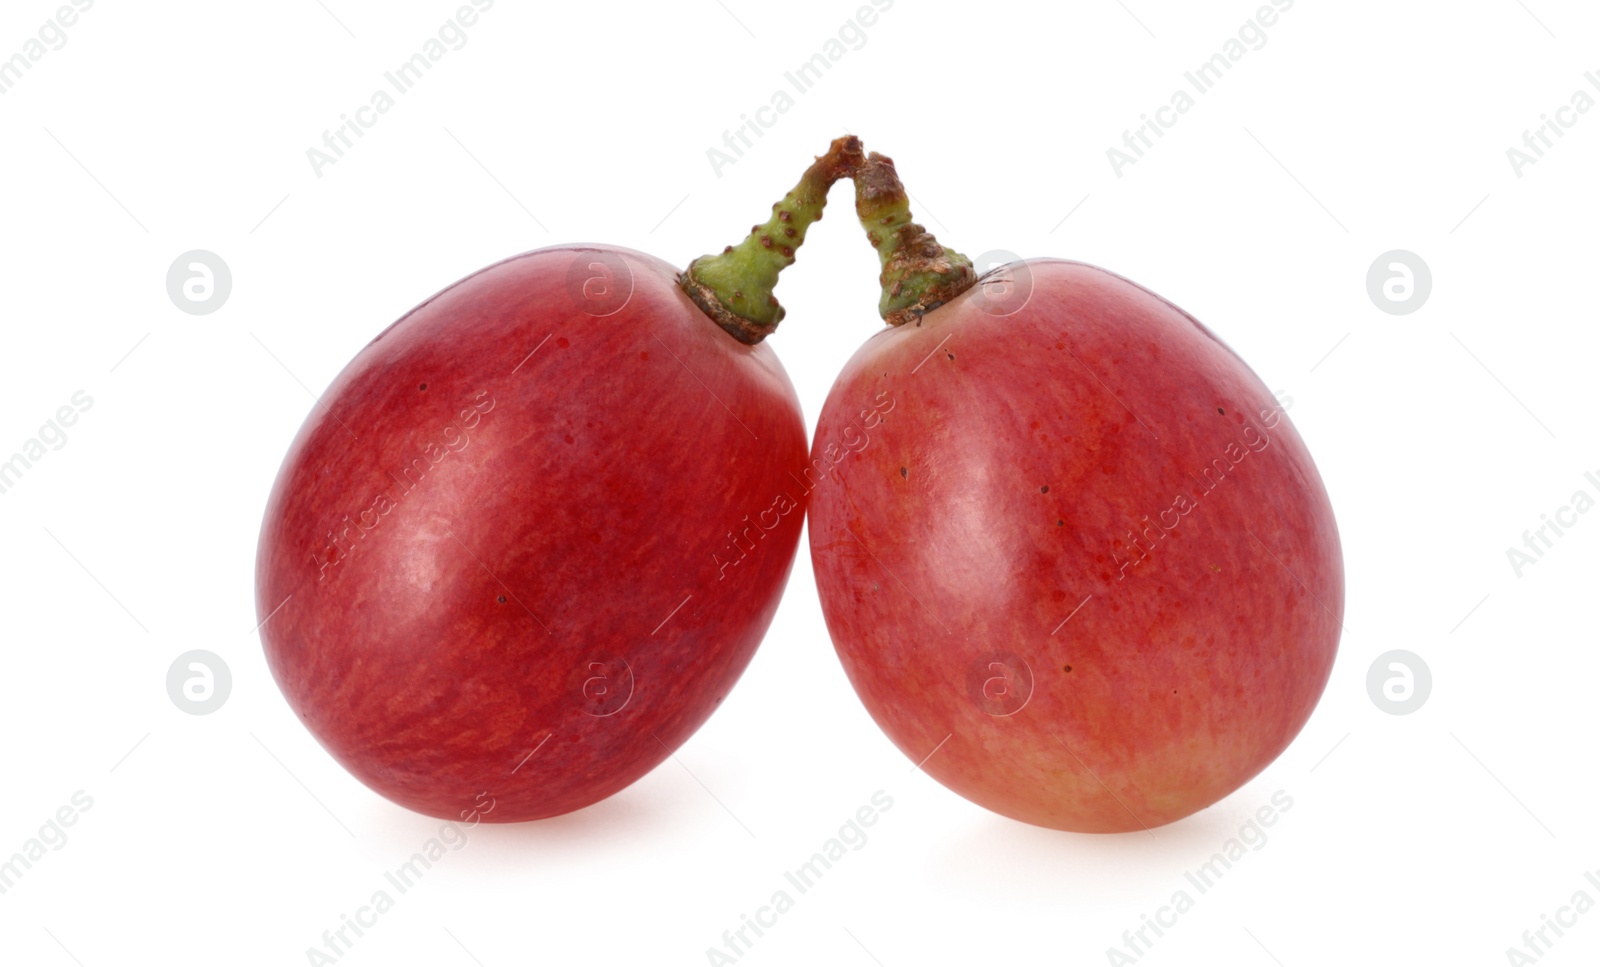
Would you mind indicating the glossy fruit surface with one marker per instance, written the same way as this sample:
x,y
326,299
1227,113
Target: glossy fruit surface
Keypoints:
x,y
1072,552
531,537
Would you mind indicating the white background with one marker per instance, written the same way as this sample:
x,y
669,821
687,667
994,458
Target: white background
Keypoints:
x,y
1360,127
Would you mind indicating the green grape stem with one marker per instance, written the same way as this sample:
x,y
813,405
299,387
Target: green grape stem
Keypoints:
x,y
734,287
919,274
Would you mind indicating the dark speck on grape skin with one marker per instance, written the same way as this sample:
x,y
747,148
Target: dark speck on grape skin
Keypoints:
x,y
501,599
1061,523
903,473
422,386
1045,489
1066,668
1221,411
